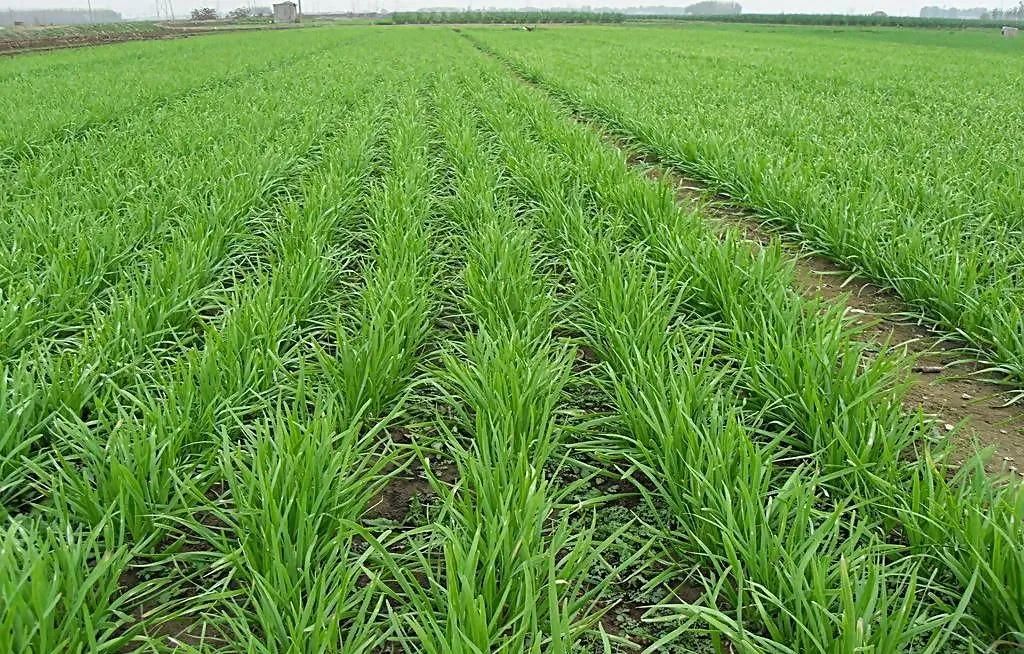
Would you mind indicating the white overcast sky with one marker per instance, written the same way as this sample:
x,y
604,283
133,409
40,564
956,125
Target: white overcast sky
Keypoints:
x,y
146,8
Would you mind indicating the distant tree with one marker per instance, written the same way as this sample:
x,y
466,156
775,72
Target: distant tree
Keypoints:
x,y
953,12
262,11
240,12
714,8
880,14
1017,12
204,13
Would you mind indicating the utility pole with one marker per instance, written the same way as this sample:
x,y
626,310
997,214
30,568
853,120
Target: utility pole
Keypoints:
x,y
165,8
300,11
90,11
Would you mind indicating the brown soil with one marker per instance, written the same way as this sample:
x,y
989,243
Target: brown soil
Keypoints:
x,y
621,614
943,384
396,499
189,629
20,46
77,41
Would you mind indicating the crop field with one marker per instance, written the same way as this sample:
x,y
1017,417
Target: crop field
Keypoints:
x,y
483,340
859,143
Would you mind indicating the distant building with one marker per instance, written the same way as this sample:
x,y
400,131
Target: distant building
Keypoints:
x,y
286,12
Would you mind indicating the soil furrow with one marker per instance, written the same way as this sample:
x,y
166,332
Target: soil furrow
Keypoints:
x,y
945,383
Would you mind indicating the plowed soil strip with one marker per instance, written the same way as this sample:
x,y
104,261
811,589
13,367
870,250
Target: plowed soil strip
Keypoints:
x,y
44,44
943,383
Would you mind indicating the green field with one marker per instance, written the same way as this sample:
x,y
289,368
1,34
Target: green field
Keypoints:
x,y
388,339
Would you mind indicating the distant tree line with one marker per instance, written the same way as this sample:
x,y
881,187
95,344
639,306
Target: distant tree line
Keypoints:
x,y
717,11
952,12
515,17
58,16
712,8
239,13
880,20
704,8
974,13
204,13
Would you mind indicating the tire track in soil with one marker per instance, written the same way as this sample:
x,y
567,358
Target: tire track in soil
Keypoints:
x,y
943,383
